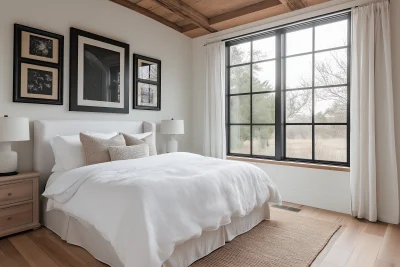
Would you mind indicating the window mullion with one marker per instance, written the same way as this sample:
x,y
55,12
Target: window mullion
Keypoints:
x,y
251,98
278,97
228,100
348,88
313,95
283,100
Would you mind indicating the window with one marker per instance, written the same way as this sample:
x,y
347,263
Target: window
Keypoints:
x,y
288,93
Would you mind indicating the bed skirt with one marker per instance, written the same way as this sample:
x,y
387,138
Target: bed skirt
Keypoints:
x,y
86,236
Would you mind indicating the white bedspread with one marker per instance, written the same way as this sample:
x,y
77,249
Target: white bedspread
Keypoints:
x,y
145,207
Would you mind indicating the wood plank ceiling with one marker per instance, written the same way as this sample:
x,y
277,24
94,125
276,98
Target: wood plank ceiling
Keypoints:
x,y
200,17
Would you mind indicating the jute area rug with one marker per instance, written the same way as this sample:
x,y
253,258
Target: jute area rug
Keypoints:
x,y
283,241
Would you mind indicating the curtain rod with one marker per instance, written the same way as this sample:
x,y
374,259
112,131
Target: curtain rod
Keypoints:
x,y
348,10
289,24
293,23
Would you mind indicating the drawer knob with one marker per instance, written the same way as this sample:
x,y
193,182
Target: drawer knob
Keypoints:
x,y
9,194
9,218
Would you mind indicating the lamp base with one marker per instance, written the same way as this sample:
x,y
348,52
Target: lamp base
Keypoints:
x,y
8,158
172,145
8,174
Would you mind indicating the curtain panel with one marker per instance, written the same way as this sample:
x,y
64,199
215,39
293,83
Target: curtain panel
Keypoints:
x,y
214,137
373,171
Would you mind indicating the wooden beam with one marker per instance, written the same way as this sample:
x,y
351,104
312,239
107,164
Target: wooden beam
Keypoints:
x,y
235,14
294,4
147,13
189,27
187,12
243,11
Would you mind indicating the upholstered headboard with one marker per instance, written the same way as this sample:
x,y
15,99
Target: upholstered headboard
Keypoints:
x,y
44,130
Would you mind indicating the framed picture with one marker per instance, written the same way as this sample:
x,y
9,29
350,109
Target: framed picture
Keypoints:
x,y
147,83
38,66
99,73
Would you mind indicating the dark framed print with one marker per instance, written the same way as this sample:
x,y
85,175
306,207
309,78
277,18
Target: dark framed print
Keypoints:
x,y
99,73
38,66
147,83
39,82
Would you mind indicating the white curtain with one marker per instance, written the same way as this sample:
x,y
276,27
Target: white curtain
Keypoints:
x,y
373,171
214,124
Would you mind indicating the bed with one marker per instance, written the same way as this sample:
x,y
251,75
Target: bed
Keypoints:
x,y
69,211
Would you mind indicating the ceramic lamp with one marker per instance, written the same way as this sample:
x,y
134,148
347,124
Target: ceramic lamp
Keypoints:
x,y
11,130
172,127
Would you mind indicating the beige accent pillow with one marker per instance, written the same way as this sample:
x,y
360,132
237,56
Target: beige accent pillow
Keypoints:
x,y
128,152
96,149
149,140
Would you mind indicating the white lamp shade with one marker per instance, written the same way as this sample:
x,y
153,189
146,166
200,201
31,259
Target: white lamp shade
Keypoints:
x,y
172,127
14,129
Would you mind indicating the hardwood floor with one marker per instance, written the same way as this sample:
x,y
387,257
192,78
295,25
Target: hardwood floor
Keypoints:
x,y
357,244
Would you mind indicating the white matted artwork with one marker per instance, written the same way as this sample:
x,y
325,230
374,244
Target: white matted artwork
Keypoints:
x,y
147,83
99,73
103,61
147,95
147,70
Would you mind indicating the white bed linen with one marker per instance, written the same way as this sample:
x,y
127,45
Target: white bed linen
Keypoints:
x,y
145,207
76,233
53,177
68,150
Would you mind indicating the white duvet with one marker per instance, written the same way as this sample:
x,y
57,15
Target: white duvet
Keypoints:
x,y
145,207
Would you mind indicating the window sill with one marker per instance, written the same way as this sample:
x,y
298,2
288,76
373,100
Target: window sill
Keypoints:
x,y
292,164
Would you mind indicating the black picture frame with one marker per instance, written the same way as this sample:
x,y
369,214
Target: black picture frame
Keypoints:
x,y
38,62
74,61
138,80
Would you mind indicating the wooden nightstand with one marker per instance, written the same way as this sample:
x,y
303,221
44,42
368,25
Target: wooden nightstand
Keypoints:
x,y
19,203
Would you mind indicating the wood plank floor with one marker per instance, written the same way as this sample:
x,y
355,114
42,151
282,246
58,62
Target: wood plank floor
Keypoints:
x,y
357,244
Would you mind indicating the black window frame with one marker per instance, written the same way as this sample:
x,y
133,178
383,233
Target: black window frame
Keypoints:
x,y
280,90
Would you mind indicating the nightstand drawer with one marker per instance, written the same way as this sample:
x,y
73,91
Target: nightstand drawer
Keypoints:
x,y
15,192
16,216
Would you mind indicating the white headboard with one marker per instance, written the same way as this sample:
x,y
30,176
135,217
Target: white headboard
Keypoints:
x,y
44,130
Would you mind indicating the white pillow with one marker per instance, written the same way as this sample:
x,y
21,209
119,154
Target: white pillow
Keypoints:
x,y
141,135
68,150
128,152
138,139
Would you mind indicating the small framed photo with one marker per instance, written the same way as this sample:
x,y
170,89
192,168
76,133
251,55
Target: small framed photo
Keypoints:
x,y
147,83
39,47
38,82
99,73
38,66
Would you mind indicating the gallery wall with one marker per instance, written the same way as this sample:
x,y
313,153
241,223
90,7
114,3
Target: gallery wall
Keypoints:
x,y
145,37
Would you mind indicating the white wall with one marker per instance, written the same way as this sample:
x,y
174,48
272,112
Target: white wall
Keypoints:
x,y
318,188
145,36
312,187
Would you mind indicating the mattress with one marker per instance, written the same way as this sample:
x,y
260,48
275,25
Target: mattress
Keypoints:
x,y
82,234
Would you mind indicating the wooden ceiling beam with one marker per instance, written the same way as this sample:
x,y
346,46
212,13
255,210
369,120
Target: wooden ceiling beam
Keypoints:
x,y
242,11
234,14
294,4
147,13
187,12
189,27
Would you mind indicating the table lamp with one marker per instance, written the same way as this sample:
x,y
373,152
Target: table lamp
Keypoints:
x,y
11,129
172,127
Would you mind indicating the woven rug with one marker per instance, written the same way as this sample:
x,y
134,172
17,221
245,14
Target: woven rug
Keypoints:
x,y
293,241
